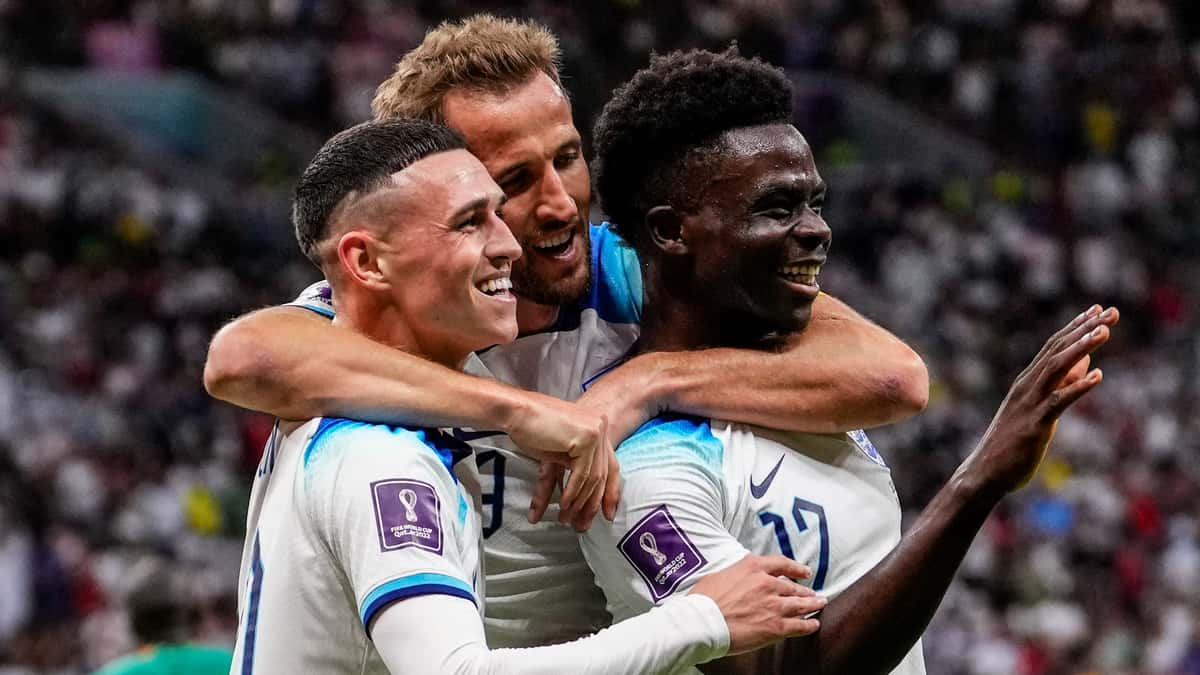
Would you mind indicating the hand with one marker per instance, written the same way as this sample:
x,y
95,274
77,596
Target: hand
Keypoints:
x,y
761,603
565,435
625,395
1016,442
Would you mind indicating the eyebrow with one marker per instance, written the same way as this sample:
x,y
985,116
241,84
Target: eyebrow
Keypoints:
x,y
474,206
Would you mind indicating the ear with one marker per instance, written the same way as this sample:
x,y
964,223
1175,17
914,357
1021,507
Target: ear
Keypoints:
x,y
665,227
358,254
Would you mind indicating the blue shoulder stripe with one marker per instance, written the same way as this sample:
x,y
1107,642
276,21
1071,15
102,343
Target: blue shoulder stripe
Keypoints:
x,y
449,450
428,583
672,438
616,292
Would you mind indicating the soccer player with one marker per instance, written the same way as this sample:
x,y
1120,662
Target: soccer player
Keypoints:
x,y
578,300
362,549
158,617
702,172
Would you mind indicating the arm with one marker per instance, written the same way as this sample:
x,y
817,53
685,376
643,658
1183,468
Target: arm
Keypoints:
x,y
292,363
841,373
873,624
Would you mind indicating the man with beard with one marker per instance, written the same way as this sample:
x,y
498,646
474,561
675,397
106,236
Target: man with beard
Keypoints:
x,y
579,297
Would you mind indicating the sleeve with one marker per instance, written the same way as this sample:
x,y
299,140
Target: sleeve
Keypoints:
x,y
617,277
316,298
434,634
384,504
669,531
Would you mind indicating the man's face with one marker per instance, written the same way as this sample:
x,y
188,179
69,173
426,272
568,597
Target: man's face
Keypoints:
x,y
757,236
527,140
446,255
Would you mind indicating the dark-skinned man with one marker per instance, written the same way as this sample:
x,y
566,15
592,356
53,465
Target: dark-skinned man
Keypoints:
x,y
700,169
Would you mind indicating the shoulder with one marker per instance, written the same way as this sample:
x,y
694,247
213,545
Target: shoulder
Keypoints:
x,y
340,441
673,440
133,664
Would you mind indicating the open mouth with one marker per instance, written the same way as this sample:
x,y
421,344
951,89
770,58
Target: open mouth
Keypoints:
x,y
496,288
556,245
805,274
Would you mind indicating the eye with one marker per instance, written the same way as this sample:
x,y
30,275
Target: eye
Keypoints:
x,y
473,222
775,213
565,159
515,183
817,204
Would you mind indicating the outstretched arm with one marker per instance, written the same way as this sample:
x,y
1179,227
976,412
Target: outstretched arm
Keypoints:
x,y
843,372
290,362
873,624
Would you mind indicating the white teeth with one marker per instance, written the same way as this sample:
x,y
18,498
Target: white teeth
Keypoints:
x,y
492,286
805,274
556,241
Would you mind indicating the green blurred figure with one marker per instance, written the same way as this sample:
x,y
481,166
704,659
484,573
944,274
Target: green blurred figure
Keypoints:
x,y
159,621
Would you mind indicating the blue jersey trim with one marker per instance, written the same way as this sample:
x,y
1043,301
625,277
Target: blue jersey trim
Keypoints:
x,y
449,450
323,311
616,292
427,583
672,438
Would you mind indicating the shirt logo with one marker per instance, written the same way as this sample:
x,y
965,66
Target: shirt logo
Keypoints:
x,y
761,489
661,553
407,514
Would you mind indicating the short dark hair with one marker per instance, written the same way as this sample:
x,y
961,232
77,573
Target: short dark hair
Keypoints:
x,y
360,159
657,125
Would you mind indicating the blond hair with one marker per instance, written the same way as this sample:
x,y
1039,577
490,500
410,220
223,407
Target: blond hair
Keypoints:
x,y
483,53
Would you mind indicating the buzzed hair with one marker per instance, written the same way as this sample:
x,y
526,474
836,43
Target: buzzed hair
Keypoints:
x,y
664,122
482,53
356,162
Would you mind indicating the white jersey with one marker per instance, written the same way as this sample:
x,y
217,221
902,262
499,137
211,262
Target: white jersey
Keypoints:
x,y
698,495
540,589
345,518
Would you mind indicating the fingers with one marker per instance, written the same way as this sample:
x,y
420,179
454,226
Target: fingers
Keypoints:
x,y
612,488
1078,321
1062,399
590,506
803,606
548,477
800,627
581,468
1061,363
780,566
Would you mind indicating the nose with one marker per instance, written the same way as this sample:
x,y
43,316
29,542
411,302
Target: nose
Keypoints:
x,y
813,233
555,203
501,246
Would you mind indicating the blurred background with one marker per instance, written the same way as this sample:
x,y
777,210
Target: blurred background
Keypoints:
x,y
995,166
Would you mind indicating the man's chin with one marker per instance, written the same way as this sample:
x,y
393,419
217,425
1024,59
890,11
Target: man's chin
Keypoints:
x,y
557,293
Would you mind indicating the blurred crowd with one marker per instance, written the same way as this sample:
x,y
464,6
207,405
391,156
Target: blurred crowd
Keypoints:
x,y
114,276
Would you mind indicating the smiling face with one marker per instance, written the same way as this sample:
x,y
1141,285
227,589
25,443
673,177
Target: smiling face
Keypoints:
x,y
528,141
757,241
442,256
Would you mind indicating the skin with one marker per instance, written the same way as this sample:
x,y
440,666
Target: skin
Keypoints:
x,y
761,209
841,373
412,265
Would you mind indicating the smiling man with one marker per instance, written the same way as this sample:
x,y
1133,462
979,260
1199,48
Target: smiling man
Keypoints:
x,y
702,172
362,547
579,298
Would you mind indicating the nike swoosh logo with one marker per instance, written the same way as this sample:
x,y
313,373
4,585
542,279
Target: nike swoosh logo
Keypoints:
x,y
761,489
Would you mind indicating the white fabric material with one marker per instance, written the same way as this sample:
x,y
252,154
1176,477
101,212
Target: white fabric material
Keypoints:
x,y
345,519
442,634
689,508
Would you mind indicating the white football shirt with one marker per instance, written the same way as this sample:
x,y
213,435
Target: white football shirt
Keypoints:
x,y
345,518
699,494
540,589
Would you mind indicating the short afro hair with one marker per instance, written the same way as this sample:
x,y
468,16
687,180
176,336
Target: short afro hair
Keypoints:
x,y
357,161
670,109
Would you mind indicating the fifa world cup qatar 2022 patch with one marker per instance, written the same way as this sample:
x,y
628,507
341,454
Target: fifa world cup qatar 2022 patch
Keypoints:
x,y
661,552
407,514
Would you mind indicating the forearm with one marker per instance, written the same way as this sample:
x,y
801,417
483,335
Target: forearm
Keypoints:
x,y
681,633
293,364
875,622
841,373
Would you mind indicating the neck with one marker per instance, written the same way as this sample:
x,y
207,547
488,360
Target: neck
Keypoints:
x,y
672,320
383,323
533,317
